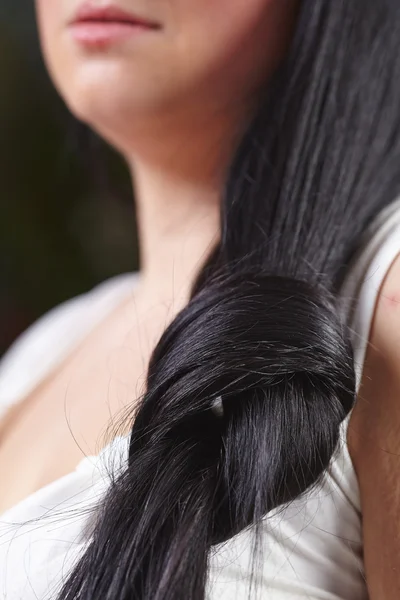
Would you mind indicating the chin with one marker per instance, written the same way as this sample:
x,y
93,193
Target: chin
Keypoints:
x,y
116,116
85,82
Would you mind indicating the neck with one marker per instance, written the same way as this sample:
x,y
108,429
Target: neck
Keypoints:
x,y
178,182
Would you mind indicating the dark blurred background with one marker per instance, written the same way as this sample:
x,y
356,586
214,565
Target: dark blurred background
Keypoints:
x,y
67,216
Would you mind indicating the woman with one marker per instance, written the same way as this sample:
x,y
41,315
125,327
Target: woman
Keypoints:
x,y
263,139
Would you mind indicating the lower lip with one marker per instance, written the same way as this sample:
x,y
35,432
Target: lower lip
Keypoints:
x,y
105,33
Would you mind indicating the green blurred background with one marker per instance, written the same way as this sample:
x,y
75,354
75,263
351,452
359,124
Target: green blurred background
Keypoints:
x,y
67,216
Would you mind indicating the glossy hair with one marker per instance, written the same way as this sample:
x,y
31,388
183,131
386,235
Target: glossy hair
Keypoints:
x,y
264,328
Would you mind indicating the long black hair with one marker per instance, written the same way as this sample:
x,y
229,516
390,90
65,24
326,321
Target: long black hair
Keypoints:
x,y
263,332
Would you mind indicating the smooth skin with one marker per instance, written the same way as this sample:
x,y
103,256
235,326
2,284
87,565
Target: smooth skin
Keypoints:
x,y
172,103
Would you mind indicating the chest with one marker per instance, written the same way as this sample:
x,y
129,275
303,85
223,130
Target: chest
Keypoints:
x,y
76,411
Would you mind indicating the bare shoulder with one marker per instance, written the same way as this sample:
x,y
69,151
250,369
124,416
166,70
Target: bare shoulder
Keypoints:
x,y
382,363
374,442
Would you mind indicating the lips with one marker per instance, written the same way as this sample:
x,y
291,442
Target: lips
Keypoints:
x,y
99,27
89,13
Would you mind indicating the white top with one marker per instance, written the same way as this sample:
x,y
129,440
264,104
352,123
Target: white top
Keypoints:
x,y
312,548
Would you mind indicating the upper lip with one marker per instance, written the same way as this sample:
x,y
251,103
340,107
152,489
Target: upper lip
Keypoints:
x,y
90,12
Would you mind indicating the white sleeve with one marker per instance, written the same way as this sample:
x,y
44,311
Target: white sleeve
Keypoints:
x,y
35,351
45,344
